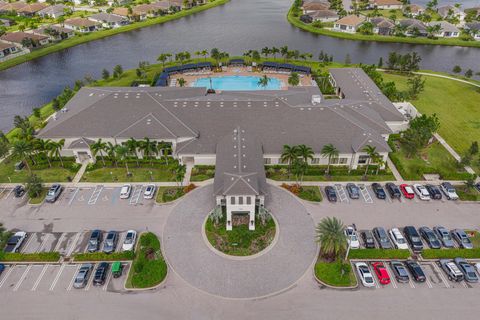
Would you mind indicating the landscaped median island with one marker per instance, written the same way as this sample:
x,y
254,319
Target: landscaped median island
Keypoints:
x,y
39,198
102,256
30,257
202,173
336,274
309,193
379,254
169,194
148,267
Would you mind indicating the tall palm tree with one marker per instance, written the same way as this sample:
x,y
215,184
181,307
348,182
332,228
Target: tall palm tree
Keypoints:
x,y
263,82
22,149
289,155
331,237
329,151
266,51
204,53
164,150
284,51
98,148
148,147
56,148
274,51
43,146
110,149
132,146
122,153
179,171
305,152
372,153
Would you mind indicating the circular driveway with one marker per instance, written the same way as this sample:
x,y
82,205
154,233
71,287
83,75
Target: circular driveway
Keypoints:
x,y
275,270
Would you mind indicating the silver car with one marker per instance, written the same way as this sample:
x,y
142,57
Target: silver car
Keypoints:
x,y
83,274
444,236
467,269
461,237
110,242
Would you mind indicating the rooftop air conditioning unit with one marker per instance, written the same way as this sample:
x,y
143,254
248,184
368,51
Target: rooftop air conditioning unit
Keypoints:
x,y
316,99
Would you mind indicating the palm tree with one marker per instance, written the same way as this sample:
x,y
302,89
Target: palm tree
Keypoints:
x,y
289,155
204,53
305,152
56,148
329,151
179,171
22,149
331,237
266,51
284,51
164,148
98,148
163,58
372,153
132,146
182,82
148,147
299,167
110,149
43,146
263,82
122,153
274,51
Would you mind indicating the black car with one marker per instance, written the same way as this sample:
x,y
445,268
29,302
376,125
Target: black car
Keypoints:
x,y
413,238
416,271
382,238
353,191
368,239
434,192
94,241
393,190
399,271
100,274
18,191
378,190
430,237
2,268
331,194
477,185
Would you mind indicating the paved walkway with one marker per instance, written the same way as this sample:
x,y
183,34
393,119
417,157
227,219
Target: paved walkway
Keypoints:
x,y
452,152
447,77
276,270
80,172
394,170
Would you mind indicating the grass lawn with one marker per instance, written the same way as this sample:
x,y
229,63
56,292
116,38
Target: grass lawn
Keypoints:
x,y
456,105
240,241
331,273
467,194
40,198
433,159
110,174
56,173
310,193
202,173
148,268
168,194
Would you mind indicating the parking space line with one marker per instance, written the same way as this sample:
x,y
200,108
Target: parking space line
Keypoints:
x,y
70,285
24,195
136,194
366,195
95,195
44,242
411,283
54,283
29,239
9,193
109,277
10,269
341,193
90,278
441,275
42,273
74,242
429,284
464,284
391,275
59,242
22,278
73,197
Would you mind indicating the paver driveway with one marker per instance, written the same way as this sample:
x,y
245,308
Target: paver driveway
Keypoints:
x,y
276,270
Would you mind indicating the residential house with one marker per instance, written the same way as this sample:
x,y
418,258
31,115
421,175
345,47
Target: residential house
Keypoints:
x,y
413,27
109,20
382,26
474,29
118,2
6,22
450,12
165,6
312,6
25,40
54,11
12,7
136,14
82,25
349,24
413,10
324,15
31,9
7,49
447,30
475,12
181,4
54,32
385,4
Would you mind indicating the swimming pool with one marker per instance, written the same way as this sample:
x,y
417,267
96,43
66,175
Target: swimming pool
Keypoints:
x,y
237,83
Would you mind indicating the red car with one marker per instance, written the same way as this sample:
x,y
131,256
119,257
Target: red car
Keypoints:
x,y
407,191
381,272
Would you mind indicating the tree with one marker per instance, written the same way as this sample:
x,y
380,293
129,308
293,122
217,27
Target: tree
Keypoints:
x,y
204,53
473,150
122,154
457,69
329,151
37,113
266,51
284,51
110,150
299,167
469,73
22,149
148,148
293,79
433,30
380,62
305,152
331,237
98,148
179,171
366,28
215,54
274,51
34,186
43,146
132,146
263,81
348,61
289,155
117,71
56,148
182,82
163,58
372,154
415,86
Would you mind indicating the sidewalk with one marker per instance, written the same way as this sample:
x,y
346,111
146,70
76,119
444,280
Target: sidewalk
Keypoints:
x,y
452,152
80,172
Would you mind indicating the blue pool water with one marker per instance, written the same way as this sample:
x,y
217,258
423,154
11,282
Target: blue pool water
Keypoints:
x,y
237,83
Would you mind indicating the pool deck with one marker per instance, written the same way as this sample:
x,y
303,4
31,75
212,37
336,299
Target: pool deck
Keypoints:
x,y
241,71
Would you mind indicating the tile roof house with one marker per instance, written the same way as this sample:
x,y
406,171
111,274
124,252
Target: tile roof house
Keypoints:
x,y
7,49
385,4
31,9
382,26
474,29
413,10
55,32
447,30
23,39
349,24
324,15
54,11
12,7
413,27
109,20
312,6
82,25
449,12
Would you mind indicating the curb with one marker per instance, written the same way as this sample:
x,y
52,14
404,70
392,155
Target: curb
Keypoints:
x,y
333,287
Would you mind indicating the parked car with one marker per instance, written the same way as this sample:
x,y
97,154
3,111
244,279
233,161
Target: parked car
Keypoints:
x,y
83,274
53,193
434,192
462,239
399,271
451,270
129,242
393,190
365,275
353,191
449,191
477,267
421,192
413,238
467,269
430,238
378,190
15,242
397,238
477,186
110,242
125,191
368,239
331,193
19,166
149,191
100,274
382,238
94,241
416,271
407,191
352,238
117,269
381,273
18,191
2,268
444,236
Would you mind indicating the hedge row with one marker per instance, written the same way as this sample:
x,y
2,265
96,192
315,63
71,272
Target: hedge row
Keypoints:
x,y
379,254
101,256
451,253
142,163
33,257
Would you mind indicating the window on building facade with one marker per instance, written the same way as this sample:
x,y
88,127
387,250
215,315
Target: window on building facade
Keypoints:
x,y
342,160
232,200
249,200
362,159
267,160
240,200
315,160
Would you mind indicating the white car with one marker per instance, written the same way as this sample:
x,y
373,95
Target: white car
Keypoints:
x,y
149,191
449,191
352,238
421,192
15,242
125,191
365,275
129,242
398,239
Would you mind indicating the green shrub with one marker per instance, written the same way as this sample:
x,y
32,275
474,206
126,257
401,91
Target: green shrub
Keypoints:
x,y
336,274
379,254
101,256
451,253
33,257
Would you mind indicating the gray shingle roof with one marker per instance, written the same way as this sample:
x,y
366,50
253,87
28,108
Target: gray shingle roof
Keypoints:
x,y
81,143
